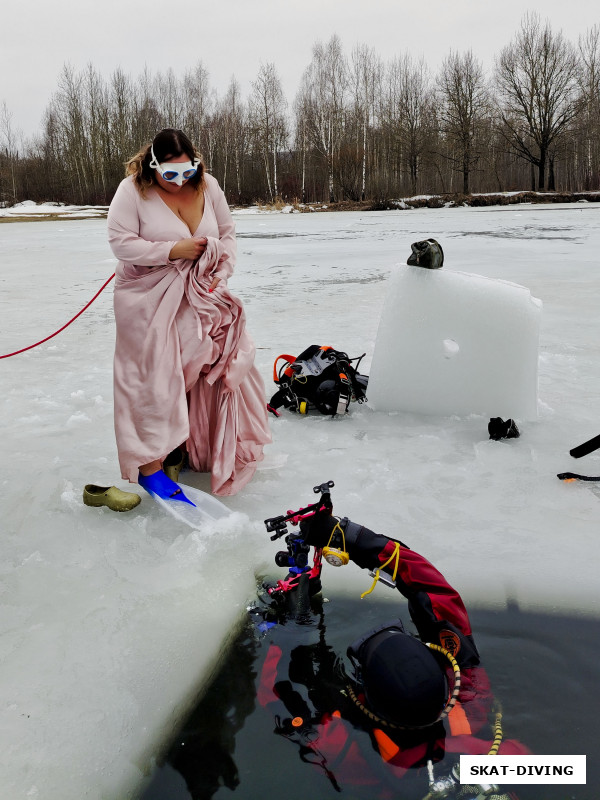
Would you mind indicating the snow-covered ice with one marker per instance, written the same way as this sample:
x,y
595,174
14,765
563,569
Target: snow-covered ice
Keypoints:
x,y
110,623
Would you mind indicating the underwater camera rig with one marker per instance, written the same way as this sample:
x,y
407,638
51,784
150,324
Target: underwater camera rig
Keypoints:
x,y
296,557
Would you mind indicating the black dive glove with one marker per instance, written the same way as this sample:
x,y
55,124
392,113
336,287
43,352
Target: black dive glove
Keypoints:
x,y
363,546
316,530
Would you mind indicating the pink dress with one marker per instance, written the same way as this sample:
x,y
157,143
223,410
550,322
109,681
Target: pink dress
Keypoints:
x,y
184,363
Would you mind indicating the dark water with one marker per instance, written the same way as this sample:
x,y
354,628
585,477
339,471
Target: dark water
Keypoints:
x,y
543,669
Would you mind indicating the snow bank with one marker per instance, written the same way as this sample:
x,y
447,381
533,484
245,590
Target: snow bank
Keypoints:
x,y
33,210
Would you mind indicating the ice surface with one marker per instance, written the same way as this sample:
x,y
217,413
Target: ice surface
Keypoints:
x,y
456,343
110,622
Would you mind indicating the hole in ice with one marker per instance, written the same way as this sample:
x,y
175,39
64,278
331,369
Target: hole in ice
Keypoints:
x,y
451,348
225,745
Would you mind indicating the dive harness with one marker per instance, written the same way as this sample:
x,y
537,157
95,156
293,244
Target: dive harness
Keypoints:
x,y
320,377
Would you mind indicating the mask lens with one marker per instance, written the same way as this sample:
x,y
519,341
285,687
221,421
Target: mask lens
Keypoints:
x,y
169,175
189,173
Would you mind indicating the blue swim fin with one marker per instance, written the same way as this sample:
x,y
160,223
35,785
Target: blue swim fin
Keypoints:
x,y
194,508
161,486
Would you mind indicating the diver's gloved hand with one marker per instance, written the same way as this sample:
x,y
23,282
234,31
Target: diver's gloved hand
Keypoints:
x,y
363,546
316,530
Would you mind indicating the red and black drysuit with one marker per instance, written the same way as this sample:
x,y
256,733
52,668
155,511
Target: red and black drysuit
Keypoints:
x,y
326,733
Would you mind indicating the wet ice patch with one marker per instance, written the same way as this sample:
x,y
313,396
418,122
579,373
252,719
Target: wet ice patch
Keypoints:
x,y
79,418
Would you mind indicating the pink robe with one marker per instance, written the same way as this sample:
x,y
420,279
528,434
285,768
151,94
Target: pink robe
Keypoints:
x,y
184,363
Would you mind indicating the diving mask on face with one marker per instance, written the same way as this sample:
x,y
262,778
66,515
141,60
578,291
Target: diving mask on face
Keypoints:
x,y
174,172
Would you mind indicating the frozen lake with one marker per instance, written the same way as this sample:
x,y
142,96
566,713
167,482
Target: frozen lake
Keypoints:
x,y
110,623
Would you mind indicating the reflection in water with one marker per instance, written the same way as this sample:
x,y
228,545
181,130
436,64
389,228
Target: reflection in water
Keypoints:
x,y
200,759
542,669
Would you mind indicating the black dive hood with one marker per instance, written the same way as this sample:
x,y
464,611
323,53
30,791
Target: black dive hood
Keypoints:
x,y
403,681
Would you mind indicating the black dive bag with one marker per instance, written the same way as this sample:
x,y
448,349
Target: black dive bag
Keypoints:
x,y
320,377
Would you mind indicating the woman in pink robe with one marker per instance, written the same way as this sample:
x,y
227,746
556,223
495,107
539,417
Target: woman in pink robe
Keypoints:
x,y
184,373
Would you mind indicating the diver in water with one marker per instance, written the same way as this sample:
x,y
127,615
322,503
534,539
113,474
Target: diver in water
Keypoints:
x,y
421,701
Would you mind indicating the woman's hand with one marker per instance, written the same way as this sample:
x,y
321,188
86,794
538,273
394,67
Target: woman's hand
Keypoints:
x,y
188,248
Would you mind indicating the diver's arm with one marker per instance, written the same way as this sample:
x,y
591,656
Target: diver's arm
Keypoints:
x,y
436,608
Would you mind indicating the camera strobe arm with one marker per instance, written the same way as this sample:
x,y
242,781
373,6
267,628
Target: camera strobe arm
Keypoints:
x,y
278,524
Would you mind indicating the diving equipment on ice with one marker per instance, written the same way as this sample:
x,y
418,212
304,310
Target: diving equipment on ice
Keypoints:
x,y
319,378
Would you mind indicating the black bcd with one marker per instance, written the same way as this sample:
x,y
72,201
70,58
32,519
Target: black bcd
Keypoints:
x,y
320,378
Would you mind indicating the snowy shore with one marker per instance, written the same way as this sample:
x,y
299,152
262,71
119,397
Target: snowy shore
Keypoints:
x,y
34,212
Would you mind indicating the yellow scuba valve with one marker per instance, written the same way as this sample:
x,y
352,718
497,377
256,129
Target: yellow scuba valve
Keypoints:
x,y
333,555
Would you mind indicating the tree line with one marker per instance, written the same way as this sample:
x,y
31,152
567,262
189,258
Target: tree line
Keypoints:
x,y
359,128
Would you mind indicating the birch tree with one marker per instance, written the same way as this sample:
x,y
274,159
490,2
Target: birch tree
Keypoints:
x,y
589,86
365,77
322,95
301,112
267,111
235,124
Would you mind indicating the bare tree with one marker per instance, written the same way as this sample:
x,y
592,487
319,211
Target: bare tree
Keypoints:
x,y
365,76
234,113
322,96
362,129
198,103
463,111
537,79
410,107
147,115
10,150
301,112
69,110
267,110
97,132
589,85
121,93
169,93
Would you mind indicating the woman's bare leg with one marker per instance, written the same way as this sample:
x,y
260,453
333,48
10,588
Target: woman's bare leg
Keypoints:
x,y
150,469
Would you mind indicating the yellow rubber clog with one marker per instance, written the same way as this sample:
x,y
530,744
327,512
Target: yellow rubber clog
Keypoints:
x,y
173,464
111,497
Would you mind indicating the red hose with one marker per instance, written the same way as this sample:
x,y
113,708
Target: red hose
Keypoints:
x,y
66,325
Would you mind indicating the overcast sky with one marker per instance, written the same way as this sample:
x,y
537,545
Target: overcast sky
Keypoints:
x,y
233,37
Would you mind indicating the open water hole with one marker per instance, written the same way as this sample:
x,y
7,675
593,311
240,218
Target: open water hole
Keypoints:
x,y
542,668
